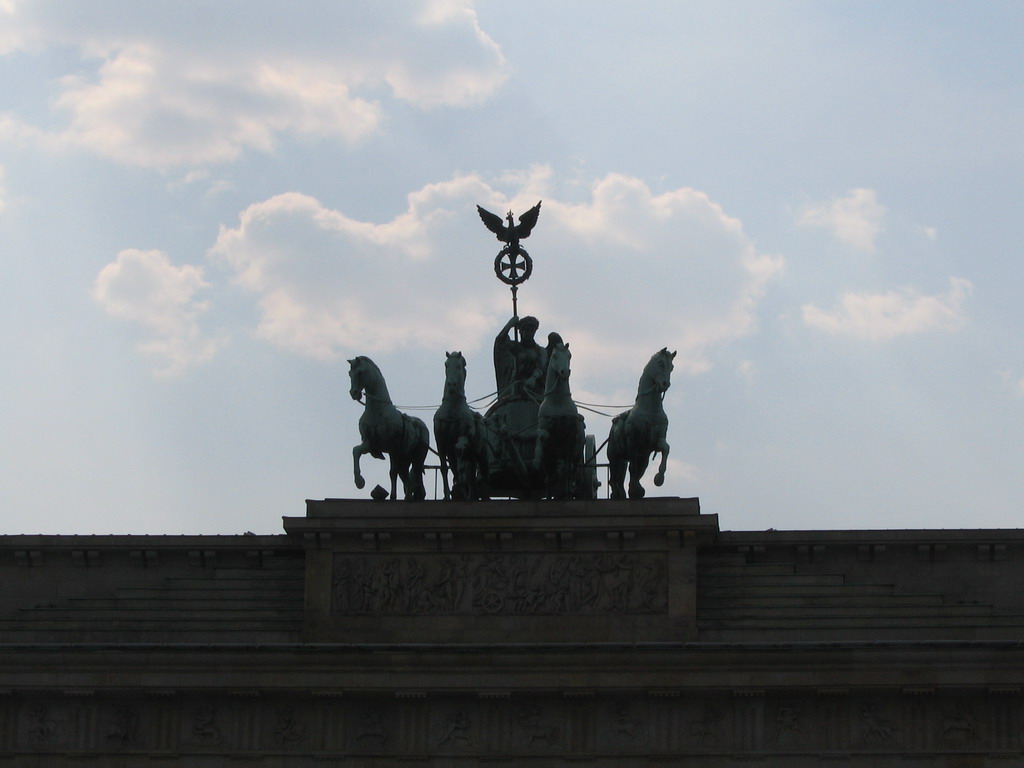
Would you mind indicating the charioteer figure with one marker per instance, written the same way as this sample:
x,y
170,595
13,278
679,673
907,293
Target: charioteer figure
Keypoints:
x,y
520,363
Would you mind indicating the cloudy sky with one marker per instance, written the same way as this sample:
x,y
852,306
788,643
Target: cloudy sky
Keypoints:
x,y
206,208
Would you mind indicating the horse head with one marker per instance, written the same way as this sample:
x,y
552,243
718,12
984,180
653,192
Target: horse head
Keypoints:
x,y
364,375
454,373
355,375
658,372
558,365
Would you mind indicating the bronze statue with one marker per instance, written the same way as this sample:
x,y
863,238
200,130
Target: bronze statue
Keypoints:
x,y
520,364
560,429
459,433
513,264
640,432
511,233
532,441
385,429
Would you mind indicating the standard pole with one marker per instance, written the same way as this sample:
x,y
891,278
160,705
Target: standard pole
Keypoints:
x,y
515,308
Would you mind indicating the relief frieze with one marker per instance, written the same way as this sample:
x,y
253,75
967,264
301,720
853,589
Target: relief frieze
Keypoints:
x,y
537,584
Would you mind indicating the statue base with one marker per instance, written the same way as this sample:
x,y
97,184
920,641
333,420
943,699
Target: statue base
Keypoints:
x,y
506,572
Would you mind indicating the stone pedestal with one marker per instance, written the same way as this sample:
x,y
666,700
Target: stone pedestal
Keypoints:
x,y
501,572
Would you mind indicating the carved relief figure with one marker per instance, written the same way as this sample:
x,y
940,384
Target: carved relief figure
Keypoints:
x,y
650,583
124,726
455,730
708,729
204,726
617,580
960,725
496,579
629,727
446,589
389,585
371,728
876,728
42,728
288,729
537,731
789,729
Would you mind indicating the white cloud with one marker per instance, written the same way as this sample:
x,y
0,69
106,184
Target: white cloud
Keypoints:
x,y
192,83
1011,381
3,190
673,266
855,219
882,316
11,36
628,264
145,288
328,283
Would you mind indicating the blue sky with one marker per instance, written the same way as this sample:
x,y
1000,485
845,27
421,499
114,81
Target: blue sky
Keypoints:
x,y
205,209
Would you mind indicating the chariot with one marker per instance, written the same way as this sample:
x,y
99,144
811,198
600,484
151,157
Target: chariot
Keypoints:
x,y
512,427
527,445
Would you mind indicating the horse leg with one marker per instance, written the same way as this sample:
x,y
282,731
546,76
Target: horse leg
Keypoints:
x,y
469,477
561,480
481,467
394,477
617,459
616,468
579,459
443,458
412,484
637,467
417,460
617,477
466,476
460,468
538,451
663,448
358,451
414,480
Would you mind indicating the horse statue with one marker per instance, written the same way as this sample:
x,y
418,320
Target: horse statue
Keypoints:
x,y
560,429
459,432
385,429
639,433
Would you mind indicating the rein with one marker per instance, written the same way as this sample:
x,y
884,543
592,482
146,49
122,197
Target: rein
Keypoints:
x,y
653,389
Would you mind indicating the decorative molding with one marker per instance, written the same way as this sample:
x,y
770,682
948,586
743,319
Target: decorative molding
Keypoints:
x,y
556,726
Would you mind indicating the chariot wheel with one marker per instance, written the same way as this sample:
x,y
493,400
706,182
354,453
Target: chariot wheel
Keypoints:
x,y
513,265
492,602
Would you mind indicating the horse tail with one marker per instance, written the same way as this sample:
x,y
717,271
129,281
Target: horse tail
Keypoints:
x,y
417,439
617,436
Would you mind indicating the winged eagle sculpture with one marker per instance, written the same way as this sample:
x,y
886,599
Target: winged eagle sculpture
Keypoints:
x,y
510,233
